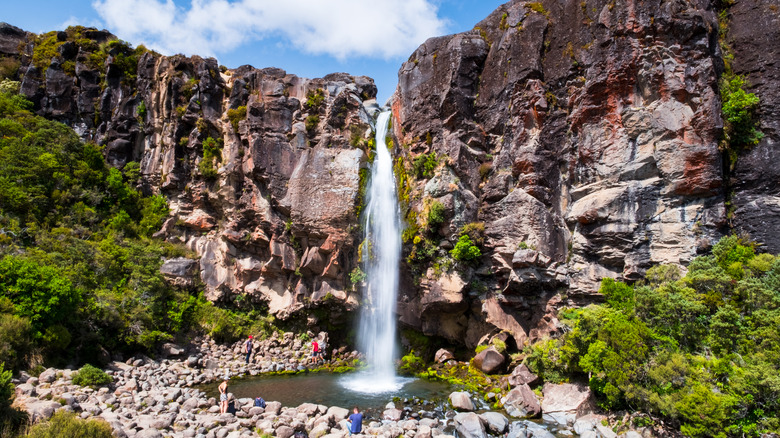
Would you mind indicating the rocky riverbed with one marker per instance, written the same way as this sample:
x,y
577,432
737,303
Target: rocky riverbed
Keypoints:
x,y
159,398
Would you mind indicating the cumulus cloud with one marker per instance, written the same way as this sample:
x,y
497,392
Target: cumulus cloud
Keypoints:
x,y
339,28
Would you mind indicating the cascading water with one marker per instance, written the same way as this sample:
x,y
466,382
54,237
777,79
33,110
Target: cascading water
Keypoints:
x,y
381,253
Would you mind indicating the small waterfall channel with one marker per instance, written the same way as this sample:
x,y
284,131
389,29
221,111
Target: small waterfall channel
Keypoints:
x,y
381,253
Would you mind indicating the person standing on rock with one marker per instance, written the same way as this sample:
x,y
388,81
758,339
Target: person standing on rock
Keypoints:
x,y
315,351
248,348
355,421
223,396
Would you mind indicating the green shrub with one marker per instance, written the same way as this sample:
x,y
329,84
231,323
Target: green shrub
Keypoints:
x,y
141,110
12,419
424,165
91,376
739,108
465,250
67,424
212,154
499,345
236,115
315,99
412,363
357,275
312,121
475,231
41,294
436,216
15,336
618,294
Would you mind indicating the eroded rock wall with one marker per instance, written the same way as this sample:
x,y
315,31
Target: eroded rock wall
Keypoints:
x,y
582,134
754,39
271,214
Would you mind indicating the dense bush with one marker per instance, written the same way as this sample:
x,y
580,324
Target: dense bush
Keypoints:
x,y
212,154
739,108
436,216
92,376
236,115
701,350
77,272
67,424
465,250
11,418
424,165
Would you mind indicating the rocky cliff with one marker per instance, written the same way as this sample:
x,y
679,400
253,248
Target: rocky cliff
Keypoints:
x,y
569,140
261,169
582,136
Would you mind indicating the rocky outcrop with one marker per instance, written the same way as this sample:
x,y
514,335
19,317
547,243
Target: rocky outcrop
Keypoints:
x,y
260,168
753,37
583,138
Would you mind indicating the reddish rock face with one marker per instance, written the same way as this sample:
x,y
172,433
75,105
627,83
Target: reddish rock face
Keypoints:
x,y
584,134
275,217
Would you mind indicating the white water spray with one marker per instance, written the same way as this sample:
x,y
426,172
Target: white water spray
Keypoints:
x,y
382,253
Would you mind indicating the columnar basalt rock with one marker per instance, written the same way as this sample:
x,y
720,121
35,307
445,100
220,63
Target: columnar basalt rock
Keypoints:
x,y
583,135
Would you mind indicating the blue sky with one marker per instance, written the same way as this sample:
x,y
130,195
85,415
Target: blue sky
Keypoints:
x,y
309,38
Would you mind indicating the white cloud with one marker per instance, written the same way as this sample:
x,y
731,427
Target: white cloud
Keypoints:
x,y
339,28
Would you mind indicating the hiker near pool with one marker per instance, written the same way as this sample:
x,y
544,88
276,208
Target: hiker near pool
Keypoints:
x,y
223,396
355,421
248,348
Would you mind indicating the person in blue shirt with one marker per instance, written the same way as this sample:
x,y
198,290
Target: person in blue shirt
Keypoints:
x,y
355,421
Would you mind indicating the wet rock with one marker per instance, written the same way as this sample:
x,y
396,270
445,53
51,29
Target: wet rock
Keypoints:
x,y
521,402
469,425
495,422
461,401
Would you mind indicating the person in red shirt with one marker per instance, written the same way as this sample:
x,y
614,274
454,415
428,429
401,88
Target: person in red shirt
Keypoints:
x,y
315,351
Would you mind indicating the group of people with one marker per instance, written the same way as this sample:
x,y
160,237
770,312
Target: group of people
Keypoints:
x,y
317,355
354,422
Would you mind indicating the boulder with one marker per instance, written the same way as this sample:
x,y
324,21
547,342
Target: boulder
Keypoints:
x,y
461,401
469,425
495,422
149,433
392,414
338,413
443,355
284,432
489,360
170,349
564,403
587,423
521,375
48,376
521,402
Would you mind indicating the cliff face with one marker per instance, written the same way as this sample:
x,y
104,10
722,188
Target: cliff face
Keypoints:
x,y
582,134
571,140
261,168
754,37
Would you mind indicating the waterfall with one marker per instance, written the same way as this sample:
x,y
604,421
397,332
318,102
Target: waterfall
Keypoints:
x,y
381,255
